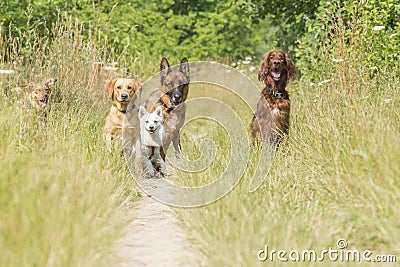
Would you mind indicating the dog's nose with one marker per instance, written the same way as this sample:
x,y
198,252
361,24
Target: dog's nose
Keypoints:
x,y
177,96
124,96
276,63
151,127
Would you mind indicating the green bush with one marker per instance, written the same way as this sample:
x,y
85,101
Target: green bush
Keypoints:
x,y
356,34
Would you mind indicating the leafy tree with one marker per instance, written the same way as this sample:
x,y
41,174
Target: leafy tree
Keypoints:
x,y
289,16
147,30
360,34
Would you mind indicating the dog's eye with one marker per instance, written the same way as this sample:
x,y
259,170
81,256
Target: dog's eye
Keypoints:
x,y
155,121
119,87
129,87
147,121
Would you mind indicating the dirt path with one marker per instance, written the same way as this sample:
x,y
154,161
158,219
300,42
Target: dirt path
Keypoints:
x,y
155,238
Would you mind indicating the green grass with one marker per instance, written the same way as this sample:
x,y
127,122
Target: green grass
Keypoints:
x,y
62,195
336,176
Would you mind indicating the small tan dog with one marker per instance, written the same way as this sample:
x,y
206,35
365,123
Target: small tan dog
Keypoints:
x,y
122,120
39,95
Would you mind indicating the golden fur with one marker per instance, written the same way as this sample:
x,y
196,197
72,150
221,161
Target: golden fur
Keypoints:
x,y
122,120
38,95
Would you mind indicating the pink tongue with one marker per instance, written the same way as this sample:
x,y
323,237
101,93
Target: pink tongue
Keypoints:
x,y
276,74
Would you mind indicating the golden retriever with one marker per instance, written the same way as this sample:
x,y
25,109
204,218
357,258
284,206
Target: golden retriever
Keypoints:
x,y
122,123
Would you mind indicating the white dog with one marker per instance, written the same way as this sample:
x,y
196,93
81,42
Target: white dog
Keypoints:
x,y
151,131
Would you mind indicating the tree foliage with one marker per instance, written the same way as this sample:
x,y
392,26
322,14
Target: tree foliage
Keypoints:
x,y
361,33
204,29
288,16
211,29
316,32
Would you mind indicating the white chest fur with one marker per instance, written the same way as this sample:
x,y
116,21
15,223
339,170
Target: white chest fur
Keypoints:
x,y
153,140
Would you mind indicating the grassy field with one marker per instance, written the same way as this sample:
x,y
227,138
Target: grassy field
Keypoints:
x,y
335,177
63,196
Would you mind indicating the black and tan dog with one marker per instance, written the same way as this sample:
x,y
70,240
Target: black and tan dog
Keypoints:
x,y
171,96
122,120
37,101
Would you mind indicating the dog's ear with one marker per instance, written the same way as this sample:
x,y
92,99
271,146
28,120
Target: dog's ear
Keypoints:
x,y
29,86
109,88
139,88
50,82
164,68
184,67
292,72
263,68
142,112
158,111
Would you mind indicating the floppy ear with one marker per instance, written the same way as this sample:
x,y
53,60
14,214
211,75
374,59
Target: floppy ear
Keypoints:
x,y
263,68
29,86
50,82
292,72
164,68
109,88
139,88
184,68
159,111
142,112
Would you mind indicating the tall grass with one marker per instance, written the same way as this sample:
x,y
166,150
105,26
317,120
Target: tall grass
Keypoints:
x,y
62,194
336,176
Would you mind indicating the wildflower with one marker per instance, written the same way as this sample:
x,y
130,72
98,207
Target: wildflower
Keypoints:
x,y
109,68
17,90
246,62
352,107
252,68
337,60
324,81
248,58
360,153
7,71
387,100
378,28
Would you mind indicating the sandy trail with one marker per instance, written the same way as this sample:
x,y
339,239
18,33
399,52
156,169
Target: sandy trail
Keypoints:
x,y
155,238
